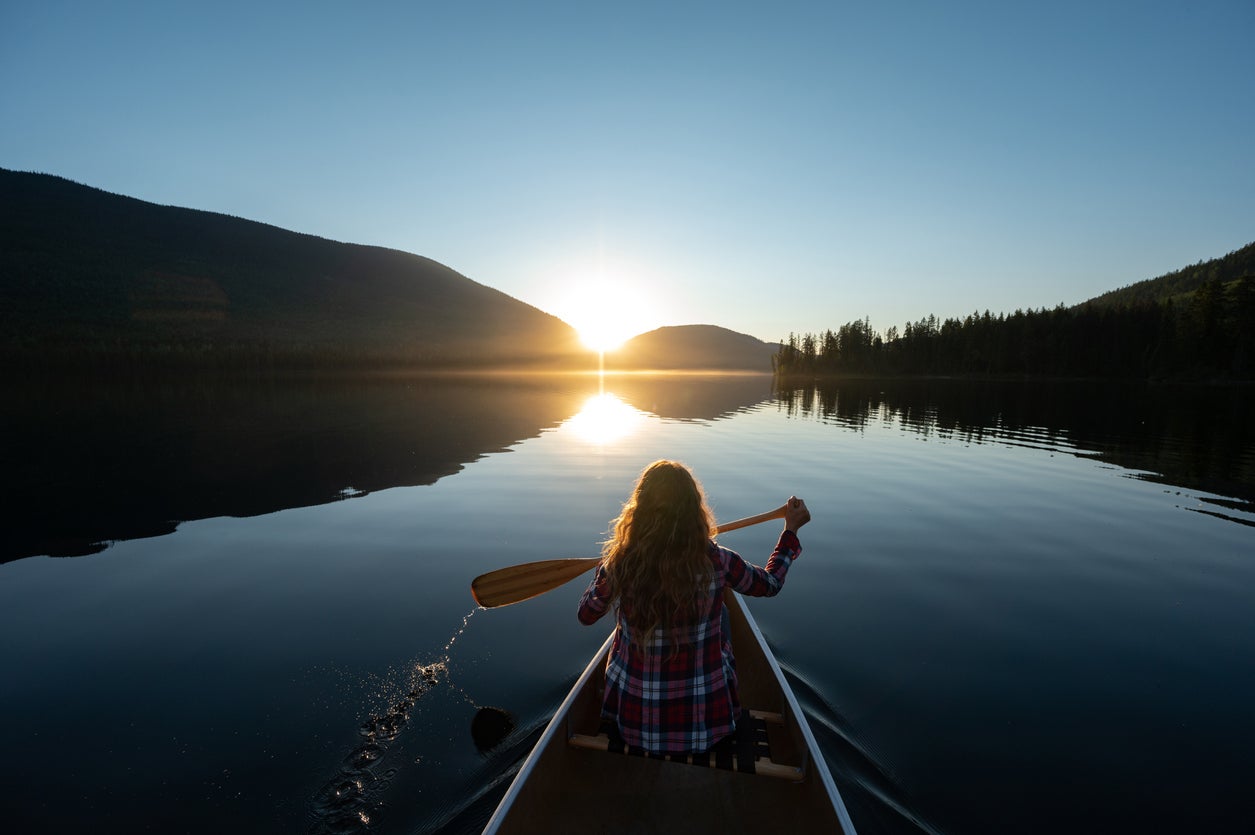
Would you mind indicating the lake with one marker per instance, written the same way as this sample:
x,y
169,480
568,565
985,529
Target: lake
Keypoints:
x,y
1021,607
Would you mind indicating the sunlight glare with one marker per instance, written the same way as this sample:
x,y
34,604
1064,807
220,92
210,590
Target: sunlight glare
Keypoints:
x,y
607,313
604,419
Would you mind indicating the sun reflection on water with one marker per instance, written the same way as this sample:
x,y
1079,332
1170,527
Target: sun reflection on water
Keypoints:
x,y
604,419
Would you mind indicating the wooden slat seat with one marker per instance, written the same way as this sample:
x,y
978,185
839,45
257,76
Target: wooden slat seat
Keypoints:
x,y
747,751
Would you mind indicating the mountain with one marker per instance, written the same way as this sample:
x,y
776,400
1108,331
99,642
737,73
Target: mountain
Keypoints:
x,y
695,348
87,275
1182,282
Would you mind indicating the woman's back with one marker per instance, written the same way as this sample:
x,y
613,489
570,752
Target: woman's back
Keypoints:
x,y
671,677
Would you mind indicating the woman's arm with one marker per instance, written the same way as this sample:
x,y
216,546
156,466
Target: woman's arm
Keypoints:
x,y
749,579
596,599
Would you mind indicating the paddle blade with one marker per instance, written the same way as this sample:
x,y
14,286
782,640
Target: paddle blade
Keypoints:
x,y
523,582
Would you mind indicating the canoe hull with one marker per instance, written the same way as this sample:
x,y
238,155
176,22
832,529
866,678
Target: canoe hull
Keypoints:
x,y
563,788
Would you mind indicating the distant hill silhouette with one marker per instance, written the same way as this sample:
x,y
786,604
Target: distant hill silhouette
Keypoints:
x,y
1181,283
693,347
86,275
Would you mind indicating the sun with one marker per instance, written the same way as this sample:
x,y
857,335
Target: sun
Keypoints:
x,y
605,313
602,338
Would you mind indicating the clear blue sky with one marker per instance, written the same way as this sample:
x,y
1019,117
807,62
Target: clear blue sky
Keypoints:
x,y
769,167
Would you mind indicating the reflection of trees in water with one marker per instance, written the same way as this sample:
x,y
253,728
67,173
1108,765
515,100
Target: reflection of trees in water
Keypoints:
x,y
1198,437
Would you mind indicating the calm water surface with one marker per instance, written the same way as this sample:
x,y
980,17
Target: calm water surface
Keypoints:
x,y
1021,607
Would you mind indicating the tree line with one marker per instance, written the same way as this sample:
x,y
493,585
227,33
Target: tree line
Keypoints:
x,y
1208,334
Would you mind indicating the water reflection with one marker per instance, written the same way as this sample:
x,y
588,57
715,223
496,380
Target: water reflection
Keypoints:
x,y
102,461
690,397
1196,437
604,419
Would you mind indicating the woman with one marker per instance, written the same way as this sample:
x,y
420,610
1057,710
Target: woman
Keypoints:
x,y
671,678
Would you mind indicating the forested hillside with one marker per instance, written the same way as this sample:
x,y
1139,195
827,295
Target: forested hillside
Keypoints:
x,y
1161,331
88,277
1182,282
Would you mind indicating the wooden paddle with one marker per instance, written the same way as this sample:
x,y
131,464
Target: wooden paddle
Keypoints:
x,y
523,582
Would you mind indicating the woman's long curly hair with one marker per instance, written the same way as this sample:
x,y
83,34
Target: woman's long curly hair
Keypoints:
x,y
657,561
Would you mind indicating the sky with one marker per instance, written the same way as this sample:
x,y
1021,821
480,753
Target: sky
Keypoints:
x,y
768,167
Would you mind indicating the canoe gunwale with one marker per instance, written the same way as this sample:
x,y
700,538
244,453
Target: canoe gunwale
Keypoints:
x,y
814,757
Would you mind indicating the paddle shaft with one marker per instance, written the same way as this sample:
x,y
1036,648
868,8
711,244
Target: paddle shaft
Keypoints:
x,y
517,583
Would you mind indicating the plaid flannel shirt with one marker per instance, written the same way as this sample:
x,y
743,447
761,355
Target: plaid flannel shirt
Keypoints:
x,y
686,702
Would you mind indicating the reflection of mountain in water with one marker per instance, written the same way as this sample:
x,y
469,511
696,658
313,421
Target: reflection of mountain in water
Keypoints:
x,y
1198,437
689,397
102,463
110,463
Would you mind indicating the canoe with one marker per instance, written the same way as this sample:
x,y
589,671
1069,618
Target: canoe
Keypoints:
x,y
570,783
